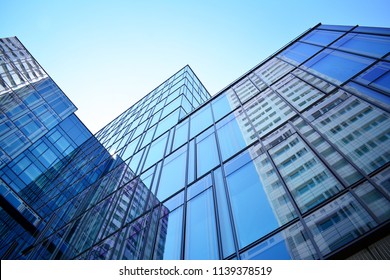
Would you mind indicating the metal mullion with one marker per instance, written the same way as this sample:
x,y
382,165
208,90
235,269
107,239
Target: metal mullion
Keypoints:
x,y
216,214
184,218
216,210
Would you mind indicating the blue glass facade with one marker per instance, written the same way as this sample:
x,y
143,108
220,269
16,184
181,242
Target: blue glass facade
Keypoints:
x,y
290,161
38,134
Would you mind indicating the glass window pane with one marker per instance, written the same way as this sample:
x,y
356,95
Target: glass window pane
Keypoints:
x,y
254,213
181,134
167,123
169,235
337,66
375,30
299,52
207,153
199,186
292,243
335,27
200,120
383,180
297,93
156,151
230,135
273,70
245,90
338,163
359,130
321,37
378,204
309,181
368,93
373,73
371,45
266,111
201,235
383,82
338,223
224,104
173,174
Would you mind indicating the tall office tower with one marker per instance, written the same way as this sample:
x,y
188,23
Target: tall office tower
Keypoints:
x,y
290,161
38,134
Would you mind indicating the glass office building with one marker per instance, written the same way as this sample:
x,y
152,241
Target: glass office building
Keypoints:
x,y
290,161
38,135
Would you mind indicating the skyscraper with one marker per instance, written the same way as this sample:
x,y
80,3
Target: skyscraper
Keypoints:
x,y
290,161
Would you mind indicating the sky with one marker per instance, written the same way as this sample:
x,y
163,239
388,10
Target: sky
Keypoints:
x,y
107,55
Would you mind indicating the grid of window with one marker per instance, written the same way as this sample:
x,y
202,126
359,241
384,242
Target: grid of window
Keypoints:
x,y
289,162
38,135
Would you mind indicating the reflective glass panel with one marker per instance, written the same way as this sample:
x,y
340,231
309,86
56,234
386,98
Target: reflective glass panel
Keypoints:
x,y
360,130
338,163
224,104
181,134
297,93
377,203
169,236
338,223
230,135
173,174
207,153
371,45
156,151
253,211
200,120
245,90
273,70
383,180
337,66
266,111
299,52
292,243
370,94
309,181
201,235
321,37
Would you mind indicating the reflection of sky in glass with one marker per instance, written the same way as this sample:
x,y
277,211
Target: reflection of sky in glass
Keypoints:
x,y
338,65
201,236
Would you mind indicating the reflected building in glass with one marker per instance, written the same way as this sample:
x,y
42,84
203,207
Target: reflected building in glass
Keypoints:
x,y
290,161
